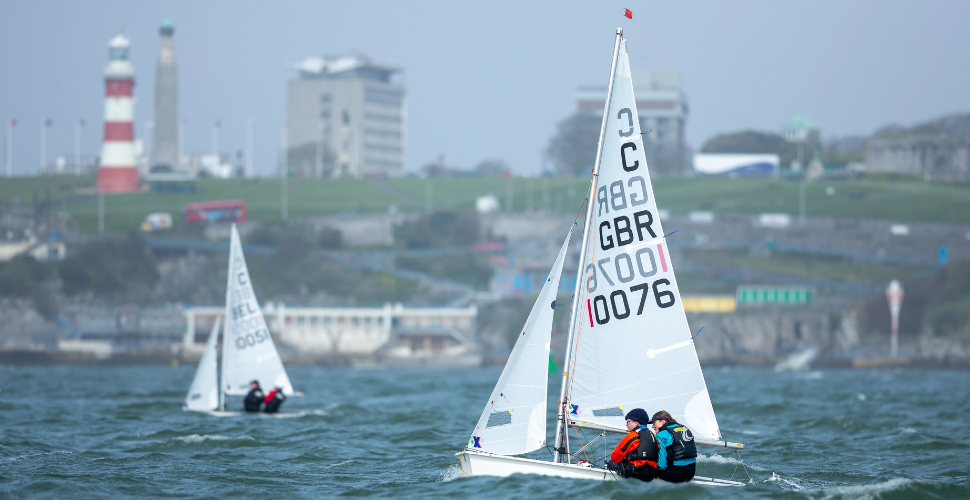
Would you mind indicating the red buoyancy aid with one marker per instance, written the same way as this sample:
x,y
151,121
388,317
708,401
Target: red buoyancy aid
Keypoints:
x,y
628,447
269,397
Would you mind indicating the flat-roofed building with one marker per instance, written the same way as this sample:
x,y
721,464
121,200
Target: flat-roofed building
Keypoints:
x,y
347,117
391,334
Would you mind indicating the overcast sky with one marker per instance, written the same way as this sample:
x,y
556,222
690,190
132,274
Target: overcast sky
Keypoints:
x,y
489,79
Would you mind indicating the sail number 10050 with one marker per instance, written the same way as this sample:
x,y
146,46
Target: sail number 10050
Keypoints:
x,y
252,338
642,262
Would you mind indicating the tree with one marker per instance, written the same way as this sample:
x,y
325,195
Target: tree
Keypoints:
x,y
572,150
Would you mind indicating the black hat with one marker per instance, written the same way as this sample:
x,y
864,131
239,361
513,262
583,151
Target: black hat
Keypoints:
x,y
254,382
638,415
660,415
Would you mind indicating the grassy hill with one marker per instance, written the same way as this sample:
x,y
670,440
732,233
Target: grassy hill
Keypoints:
x,y
904,200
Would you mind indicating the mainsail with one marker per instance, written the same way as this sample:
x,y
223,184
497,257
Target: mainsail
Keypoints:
x,y
631,344
248,351
514,420
204,392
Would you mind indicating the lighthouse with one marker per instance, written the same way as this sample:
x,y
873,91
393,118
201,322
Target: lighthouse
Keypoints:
x,y
118,172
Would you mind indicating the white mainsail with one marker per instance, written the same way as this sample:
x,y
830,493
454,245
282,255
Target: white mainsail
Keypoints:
x,y
631,344
204,392
514,420
248,351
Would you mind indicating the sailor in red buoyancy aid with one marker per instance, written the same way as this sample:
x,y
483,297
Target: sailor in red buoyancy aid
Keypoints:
x,y
636,455
273,400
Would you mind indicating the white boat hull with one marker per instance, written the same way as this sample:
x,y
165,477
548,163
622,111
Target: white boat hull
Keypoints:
x,y
476,463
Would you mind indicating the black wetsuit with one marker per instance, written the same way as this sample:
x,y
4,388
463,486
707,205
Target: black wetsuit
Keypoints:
x,y
253,400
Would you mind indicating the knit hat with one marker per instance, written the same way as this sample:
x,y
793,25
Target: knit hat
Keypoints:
x,y
638,415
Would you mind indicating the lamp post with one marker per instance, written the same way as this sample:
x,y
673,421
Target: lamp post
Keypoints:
x,y
216,126
43,144
284,175
10,125
249,147
77,146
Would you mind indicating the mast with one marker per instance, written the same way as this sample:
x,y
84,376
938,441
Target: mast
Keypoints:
x,y
562,438
225,328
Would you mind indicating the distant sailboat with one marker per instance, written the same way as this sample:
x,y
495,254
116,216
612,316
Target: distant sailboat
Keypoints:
x,y
629,343
204,392
248,351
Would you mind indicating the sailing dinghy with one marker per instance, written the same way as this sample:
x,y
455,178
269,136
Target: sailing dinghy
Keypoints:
x,y
629,343
248,351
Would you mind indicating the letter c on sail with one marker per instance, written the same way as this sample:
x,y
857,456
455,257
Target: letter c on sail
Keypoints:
x,y
629,119
623,148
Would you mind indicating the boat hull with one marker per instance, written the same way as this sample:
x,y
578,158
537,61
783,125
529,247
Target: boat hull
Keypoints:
x,y
476,463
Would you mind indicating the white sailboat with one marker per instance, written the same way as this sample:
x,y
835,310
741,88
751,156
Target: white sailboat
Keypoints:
x,y
629,343
204,392
248,351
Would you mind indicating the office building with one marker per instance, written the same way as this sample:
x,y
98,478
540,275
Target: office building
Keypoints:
x,y
347,117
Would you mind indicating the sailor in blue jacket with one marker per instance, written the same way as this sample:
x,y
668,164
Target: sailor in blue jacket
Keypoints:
x,y
677,459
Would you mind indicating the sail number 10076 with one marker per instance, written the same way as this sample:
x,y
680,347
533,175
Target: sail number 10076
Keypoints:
x,y
642,262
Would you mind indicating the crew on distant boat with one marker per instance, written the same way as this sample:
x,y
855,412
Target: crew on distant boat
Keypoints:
x,y
636,455
255,397
677,459
273,400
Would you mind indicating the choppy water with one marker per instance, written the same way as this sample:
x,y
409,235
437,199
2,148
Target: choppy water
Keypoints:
x,y
120,432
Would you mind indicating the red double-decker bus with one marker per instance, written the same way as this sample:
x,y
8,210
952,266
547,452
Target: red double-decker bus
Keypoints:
x,y
215,211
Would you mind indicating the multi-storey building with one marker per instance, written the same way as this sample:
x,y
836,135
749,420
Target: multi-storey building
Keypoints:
x,y
662,107
347,118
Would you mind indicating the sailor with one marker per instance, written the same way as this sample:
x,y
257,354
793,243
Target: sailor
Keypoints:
x,y
254,398
677,459
636,455
273,400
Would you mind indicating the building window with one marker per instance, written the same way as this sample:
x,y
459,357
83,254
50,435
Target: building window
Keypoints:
x,y
383,96
382,118
387,134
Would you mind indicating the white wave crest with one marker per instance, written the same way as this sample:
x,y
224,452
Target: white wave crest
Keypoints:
x,y
866,491
451,473
196,438
720,459
784,482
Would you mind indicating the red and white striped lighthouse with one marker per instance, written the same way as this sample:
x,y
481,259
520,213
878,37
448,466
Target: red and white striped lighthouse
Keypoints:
x,y
118,172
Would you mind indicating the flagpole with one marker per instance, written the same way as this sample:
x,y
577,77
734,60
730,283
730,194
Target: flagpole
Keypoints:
x,y
562,438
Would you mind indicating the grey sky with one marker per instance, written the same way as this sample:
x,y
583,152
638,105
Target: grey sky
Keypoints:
x,y
490,79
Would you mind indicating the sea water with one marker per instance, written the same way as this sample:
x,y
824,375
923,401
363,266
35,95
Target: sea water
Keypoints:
x,y
116,432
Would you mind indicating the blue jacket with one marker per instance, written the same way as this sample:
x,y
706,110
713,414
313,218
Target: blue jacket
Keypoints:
x,y
663,437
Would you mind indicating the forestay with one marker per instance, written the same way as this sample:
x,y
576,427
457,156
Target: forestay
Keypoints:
x,y
249,353
632,343
514,420
204,392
